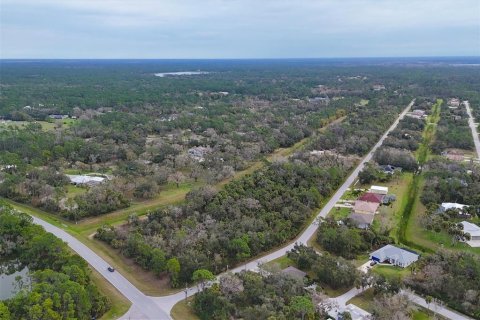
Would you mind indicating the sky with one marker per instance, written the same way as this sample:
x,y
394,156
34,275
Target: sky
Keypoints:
x,y
178,29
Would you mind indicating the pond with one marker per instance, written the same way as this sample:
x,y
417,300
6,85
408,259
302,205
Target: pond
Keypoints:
x,y
7,283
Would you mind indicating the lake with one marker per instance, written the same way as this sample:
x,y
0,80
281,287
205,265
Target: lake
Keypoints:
x,y
180,73
7,286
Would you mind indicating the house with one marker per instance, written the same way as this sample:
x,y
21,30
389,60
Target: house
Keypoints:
x,y
372,197
378,87
394,256
378,189
360,220
85,180
472,229
199,153
418,113
294,272
388,169
365,207
452,206
58,116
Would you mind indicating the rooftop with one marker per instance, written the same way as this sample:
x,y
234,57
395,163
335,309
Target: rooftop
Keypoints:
x,y
371,197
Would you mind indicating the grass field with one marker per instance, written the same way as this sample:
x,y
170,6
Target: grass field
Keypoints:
x,y
46,125
183,311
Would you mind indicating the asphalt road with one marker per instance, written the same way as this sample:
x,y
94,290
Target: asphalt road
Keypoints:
x,y
473,127
158,308
145,307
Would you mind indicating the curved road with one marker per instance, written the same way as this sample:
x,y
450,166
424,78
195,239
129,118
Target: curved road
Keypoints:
x,y
142,306
158,308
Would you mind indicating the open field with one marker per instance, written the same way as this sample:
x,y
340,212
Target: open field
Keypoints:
x,y
183,311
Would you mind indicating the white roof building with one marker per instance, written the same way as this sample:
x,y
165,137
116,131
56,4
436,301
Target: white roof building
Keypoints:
x,y
378,189
394,256
452,205
472,229
83,179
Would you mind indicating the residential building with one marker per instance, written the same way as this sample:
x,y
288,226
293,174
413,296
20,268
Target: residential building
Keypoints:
x,y
372,197
365,207
472,229
395,256
361,221
294,272
378,189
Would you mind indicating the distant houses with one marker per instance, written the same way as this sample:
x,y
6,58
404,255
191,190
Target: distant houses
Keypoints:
x,y
85,180
395,256
58,116
199,153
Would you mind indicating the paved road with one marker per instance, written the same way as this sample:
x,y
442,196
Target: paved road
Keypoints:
x,y
159,308
473,127
441,310
143,307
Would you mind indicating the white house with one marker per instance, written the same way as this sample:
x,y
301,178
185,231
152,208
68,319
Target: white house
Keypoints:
x,y
378,189
472,229
452,206
84,179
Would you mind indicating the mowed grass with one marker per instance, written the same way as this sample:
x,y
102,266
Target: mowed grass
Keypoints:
x,y
431,240
183,310
391,272
364,300
46,125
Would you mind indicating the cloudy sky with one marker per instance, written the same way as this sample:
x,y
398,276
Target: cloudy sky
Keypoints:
x,y
238,28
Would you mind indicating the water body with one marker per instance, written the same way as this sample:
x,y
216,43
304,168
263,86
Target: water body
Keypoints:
x,y
180,73
7,283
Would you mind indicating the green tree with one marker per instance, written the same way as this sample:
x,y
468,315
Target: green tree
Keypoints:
x,y
173,268
202,276
302,306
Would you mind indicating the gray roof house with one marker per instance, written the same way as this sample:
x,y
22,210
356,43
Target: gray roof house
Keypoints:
x,y
361,220
294,272
394,256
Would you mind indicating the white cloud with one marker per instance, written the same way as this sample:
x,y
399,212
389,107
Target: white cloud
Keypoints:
x,y
259,25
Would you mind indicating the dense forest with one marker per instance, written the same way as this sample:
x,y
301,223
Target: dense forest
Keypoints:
x,y
60,285
450,277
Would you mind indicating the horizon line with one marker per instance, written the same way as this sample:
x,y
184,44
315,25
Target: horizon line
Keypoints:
x,y
259,58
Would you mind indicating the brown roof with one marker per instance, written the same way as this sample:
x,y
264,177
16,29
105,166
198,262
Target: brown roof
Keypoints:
x,y
371,197
370,207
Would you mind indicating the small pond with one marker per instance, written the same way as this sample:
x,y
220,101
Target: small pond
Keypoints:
x,y
7,283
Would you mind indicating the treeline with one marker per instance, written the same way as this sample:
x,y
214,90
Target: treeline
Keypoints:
x,y
453,130
327,269
347,241
449,181
60,282
450,277
215,229
362,128
250,296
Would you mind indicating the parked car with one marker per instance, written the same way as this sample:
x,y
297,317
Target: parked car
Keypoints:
x,y
110,269
373,263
